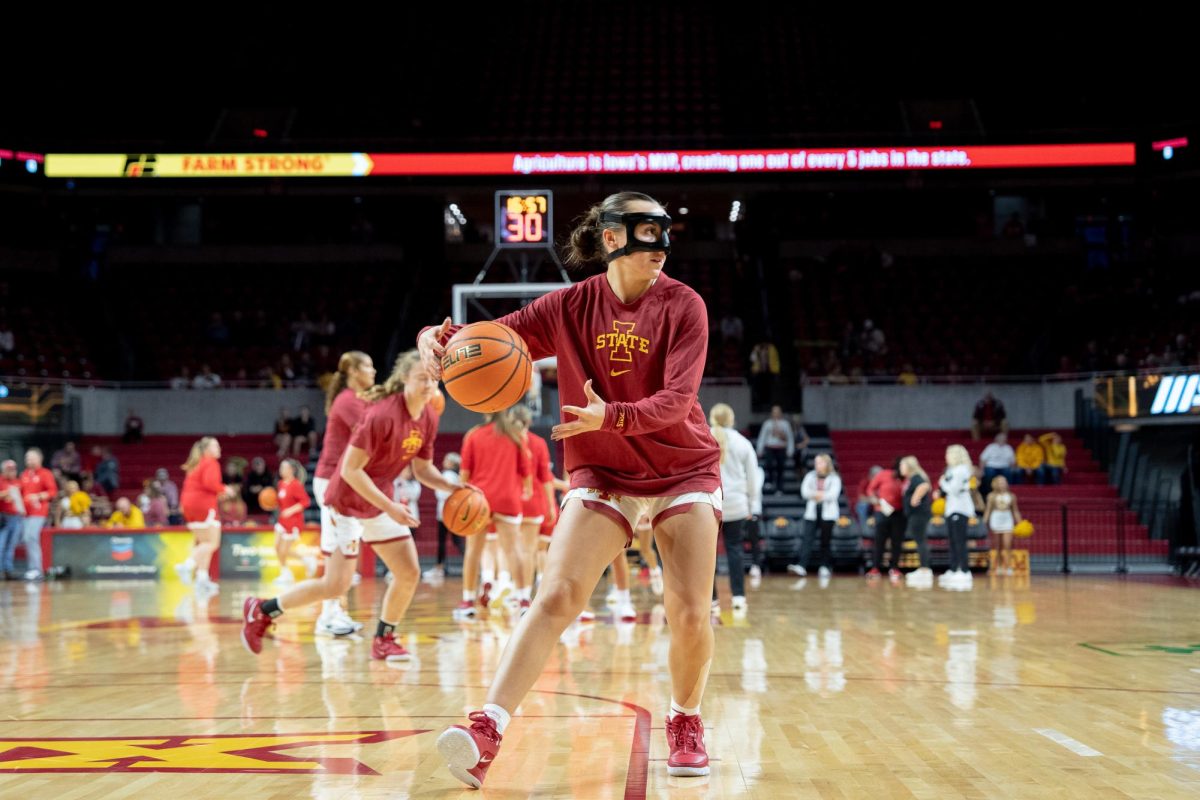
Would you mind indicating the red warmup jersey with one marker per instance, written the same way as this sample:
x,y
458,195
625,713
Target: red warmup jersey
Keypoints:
x,y
346,412
8,504
391,439
35,481
539,456
292,493
498,466
887,486
645,360
201,487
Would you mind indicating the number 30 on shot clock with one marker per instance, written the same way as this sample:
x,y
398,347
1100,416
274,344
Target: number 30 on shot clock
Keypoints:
x,y
524,218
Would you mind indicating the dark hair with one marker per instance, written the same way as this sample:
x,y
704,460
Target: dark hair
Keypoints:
x,y
586,243
351,359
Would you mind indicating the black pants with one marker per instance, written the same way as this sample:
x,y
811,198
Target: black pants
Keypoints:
x,y
811,528
735,532
889,528
918,524
775,463
956,529
443,532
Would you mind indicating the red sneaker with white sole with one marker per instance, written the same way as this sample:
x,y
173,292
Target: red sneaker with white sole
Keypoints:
x,y
465,610
685,738
254,624
470,751
386,648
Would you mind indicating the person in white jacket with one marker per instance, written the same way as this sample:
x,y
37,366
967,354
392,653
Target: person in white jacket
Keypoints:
x,y
955,486
821,488
741,496
776,446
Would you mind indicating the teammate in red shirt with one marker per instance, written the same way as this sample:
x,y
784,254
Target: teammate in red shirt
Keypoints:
x,y
398,429
494,459
292,502
38,488
541,508
343,410
631,346
202,488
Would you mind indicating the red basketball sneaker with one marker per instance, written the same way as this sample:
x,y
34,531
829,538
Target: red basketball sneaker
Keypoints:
x,y
685,737
470,751
386,648
465,610
254,625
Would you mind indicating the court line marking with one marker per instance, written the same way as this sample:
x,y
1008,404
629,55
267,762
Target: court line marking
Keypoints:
x,y
1074,745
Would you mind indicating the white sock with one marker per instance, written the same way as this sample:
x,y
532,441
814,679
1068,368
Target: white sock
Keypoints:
x,y
190,565
329,607
499,715
489,576
623,596
525,593
505,577
468,597
678,709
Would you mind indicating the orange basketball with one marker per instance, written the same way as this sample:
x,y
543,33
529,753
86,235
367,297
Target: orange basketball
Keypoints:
x,y
268,500
466,512
487,367
438,403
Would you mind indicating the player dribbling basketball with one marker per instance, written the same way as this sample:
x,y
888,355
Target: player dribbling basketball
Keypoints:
x,y
631,346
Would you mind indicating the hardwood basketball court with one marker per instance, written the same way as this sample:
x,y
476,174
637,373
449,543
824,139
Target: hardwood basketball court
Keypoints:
x,y
1042,687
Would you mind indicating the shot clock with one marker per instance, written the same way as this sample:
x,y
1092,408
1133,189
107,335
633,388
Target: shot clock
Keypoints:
x,y
524,218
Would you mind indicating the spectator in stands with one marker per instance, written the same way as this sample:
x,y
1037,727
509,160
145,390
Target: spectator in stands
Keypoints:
x,y
731,328
802,442
38,490
955,485
872,339
7,342
285,371
301,333
997,458
167,486
886,492
864,506
217,331
74,510
764,374
324,331
821,488
231,509
134,428
1056,456
101,505
283,433
183,380
907,376
304,431
989,418
126,515
235,468
157,513
68,461
108,471
776,446
257,478
407,489
12,517
206,379
1030,458
836,377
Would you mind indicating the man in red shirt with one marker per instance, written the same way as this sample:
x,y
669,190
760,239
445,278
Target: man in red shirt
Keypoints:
x,y
12,516
38,488
886,492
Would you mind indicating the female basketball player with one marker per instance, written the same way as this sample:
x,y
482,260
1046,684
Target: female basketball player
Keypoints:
x,y
292,502
495,460
631,346
343,410
202,488
541,507
1001,515
396,430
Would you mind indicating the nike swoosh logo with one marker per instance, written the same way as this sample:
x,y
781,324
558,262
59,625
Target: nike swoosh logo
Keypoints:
x,y
614,373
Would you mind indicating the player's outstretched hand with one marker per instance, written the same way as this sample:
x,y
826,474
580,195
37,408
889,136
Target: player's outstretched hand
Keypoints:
x,y
589,418
431,349
400,513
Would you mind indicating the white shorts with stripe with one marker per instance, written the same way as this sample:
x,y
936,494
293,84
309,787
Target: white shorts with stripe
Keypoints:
x,y
349,531
626,510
